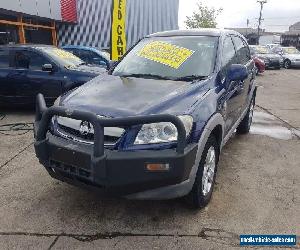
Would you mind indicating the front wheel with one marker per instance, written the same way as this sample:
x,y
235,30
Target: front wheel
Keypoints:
x,y
201,192
287,64
245,124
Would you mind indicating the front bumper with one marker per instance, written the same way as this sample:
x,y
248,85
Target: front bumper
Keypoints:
x,y
295,63
111,171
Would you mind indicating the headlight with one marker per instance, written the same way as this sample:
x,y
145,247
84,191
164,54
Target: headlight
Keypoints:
x,y
162,132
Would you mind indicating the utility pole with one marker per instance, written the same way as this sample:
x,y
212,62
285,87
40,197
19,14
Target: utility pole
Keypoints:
x,y
261,2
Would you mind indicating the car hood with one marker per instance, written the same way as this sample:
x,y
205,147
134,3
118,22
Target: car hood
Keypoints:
x,y
92,69
115,96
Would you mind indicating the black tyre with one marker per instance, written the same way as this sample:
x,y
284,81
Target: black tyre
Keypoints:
x,y
201,192
287,64
245,124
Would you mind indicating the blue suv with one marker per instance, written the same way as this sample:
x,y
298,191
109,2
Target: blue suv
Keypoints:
x,y
153,127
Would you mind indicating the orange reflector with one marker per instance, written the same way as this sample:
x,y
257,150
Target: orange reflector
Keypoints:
x,y
157,167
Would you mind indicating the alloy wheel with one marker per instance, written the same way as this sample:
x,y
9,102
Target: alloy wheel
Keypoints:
x,y
209,170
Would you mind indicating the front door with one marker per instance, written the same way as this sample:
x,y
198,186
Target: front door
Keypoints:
x,y
244,58
233,95
29,79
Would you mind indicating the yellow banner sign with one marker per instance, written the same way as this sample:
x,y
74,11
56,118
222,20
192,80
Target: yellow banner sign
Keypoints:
x,y
118,32
165,53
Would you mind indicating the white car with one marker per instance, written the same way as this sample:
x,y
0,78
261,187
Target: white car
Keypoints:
x,y
271,46
290,55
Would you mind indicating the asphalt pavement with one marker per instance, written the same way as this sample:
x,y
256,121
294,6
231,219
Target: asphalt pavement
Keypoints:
x,y
257,190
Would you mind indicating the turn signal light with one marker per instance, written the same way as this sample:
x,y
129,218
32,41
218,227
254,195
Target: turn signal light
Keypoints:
x,y
153,167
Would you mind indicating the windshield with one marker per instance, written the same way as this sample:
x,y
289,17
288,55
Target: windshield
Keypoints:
x,y
63,57
104,54
262,50
291,50
170,57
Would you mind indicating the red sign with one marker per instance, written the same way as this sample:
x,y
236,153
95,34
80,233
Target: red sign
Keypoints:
x,y
68,10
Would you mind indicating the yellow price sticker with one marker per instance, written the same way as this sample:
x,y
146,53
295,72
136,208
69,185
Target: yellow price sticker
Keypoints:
x,y
165,53
64,54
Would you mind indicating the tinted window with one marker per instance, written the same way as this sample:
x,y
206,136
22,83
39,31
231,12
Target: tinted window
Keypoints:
x,y
4,58
228,56
242,51
62,57
29,60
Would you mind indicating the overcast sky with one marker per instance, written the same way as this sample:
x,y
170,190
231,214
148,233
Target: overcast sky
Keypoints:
x,y
278,14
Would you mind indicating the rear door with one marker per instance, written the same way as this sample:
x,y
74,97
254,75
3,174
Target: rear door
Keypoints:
x,y
244,58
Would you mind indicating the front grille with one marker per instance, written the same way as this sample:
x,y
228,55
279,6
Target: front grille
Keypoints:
x,y
75,134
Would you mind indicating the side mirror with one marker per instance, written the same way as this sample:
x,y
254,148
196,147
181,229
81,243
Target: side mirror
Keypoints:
x,y
237,72
47,67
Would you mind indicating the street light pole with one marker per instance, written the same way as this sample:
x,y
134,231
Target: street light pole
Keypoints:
x,y
261,2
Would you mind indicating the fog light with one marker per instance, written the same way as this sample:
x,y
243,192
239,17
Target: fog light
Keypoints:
x,y
158,167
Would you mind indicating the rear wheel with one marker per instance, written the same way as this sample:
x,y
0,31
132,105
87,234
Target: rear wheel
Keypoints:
x,y
244,126
287,64
201,192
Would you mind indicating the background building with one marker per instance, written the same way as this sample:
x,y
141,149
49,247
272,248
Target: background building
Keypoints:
x,y
292,37
81,22
33,21
94,21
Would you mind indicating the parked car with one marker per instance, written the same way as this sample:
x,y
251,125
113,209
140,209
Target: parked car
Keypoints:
x,y
90,55
271,46
270,59
26,70
260,65
290,55
153,127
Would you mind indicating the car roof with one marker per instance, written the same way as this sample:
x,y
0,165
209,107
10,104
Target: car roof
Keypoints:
x,y
195,32
80,47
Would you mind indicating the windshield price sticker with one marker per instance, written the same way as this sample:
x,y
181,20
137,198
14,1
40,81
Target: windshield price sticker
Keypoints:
x,y
63,54
165,53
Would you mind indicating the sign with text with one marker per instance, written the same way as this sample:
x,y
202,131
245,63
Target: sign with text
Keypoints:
x,y
118,30
165,53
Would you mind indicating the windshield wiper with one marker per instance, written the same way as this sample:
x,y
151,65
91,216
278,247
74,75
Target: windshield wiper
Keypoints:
x,y
151,76
82,63
190,78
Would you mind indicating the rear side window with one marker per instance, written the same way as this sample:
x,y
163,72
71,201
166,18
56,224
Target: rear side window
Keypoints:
x,y
242,50
29,60
228,55
4,59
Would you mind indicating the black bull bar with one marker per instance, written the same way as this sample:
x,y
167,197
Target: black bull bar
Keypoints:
x,y
44,116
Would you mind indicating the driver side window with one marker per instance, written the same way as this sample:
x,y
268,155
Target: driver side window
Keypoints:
x,y
228,55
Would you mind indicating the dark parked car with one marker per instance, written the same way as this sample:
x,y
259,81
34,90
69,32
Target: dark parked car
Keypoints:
x,y
90,55
153,127
26,70
270,59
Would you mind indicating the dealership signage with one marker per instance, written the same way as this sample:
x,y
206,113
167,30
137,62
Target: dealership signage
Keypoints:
x,y
118,31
